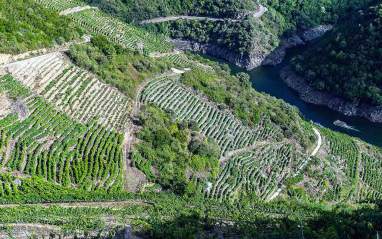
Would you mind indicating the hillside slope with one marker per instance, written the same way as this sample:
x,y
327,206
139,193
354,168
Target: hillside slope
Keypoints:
x,y
204,150
25,25
257,41
347,62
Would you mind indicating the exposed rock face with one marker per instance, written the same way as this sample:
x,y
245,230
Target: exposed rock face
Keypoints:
x,y
314,96
255,59
21,109
211,49
316,32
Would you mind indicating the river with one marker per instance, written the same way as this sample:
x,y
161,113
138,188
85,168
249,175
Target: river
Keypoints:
x,y
267,79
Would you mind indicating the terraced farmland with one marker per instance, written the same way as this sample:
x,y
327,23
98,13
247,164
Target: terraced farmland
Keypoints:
x,y
60,5
259,171
371,176
177,59
52,145
75,91
343,162
119,32
226,129
115,30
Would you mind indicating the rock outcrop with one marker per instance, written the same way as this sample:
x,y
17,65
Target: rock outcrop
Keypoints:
x,y
255,59
314,96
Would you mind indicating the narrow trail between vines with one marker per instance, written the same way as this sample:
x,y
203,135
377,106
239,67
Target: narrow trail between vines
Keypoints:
x,y
319,143
242,150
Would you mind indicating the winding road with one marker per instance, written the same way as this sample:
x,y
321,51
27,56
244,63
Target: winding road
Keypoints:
x,y
319,143
256,14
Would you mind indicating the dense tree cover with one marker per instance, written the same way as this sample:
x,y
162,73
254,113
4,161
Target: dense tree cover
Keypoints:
x,y
348,61
174,148
136,10
236,93
240,36
309,13
116,65
24,25
258,36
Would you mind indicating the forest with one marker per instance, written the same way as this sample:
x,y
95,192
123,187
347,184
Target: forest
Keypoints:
x,y
25,25
137,10
348,61
261,35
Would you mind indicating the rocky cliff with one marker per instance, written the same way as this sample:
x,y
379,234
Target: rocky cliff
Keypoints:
x,y
314,96
255,59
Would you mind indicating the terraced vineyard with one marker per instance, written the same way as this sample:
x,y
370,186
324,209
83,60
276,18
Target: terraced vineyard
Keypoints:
x,y
119,32
344,160
226,129
116,31
60,5
259,171
177,59
371,176
75,91
52,145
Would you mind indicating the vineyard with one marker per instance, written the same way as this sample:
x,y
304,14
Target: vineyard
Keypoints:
x,y
51,145
60,5
259,171
344,156
349,171
75,91
371,176
116,31
119,32
221,125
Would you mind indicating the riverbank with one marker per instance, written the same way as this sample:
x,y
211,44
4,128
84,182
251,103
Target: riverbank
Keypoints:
x,y
267,79
311,95
254,59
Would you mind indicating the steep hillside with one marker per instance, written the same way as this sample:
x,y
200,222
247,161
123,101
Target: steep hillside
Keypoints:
x,y
193,152
257,40
135,10
347,62
25,25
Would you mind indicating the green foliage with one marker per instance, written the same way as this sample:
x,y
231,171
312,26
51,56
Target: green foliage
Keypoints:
x,y
136,10
171,151
24,25
233,92
51,145
236,36
12,88
170,216
307,14
121,33
347,61
116,65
